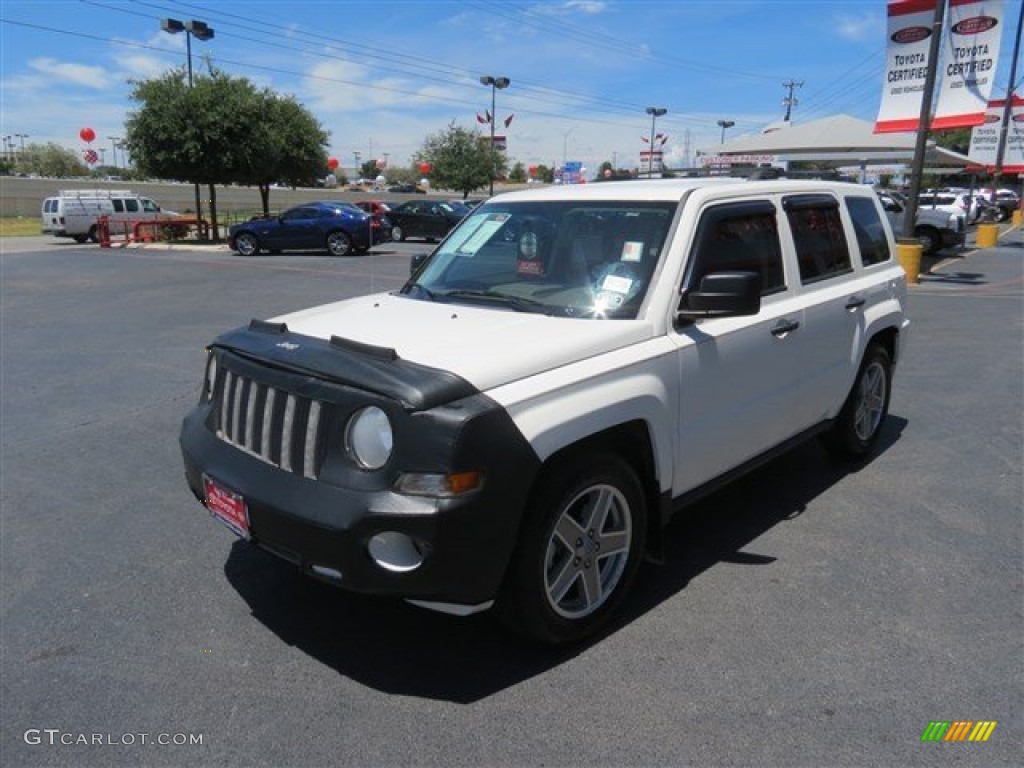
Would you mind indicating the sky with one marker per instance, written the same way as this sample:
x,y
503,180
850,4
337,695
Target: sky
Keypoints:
x,y
382,76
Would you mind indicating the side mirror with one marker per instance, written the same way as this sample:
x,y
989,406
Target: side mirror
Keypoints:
x,y
417,261
722,294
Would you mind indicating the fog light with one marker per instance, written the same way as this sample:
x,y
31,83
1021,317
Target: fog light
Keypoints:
x,y
395,552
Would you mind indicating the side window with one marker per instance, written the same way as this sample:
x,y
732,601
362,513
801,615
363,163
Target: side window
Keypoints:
x,y
131,205
821,248
118,205
739,237
871,239
149,206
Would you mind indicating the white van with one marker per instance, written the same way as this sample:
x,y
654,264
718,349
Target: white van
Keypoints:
x,y
73,212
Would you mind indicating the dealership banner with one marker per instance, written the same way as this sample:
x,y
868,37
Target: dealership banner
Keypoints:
x,y
968,64
985,137
965,70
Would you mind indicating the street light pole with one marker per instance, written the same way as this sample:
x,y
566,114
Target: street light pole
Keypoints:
x,y
723,124
202,32
113,147
655,113
496,83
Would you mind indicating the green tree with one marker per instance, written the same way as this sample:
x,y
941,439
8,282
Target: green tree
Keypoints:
x,y
220,131
52,160
289,145
369,170
545,174
518,173
460,160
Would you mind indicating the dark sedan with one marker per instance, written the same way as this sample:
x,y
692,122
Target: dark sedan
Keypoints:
x,y
429,219
337,227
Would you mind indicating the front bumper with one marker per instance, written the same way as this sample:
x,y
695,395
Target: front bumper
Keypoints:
x,y
324,524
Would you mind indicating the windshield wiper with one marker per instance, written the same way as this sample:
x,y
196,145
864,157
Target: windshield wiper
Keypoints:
x,y
518,303
423,290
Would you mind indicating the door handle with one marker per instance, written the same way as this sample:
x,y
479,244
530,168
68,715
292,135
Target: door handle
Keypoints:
x,y
856,302
784,328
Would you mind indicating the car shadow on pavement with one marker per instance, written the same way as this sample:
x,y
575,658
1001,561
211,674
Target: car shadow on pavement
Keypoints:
x,y
394,647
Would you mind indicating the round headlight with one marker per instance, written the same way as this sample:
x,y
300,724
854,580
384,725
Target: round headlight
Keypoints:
x,y
368,438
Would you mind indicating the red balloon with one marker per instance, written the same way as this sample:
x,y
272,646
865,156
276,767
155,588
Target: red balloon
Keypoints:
x,y
87,134
533,170
426,168
332,163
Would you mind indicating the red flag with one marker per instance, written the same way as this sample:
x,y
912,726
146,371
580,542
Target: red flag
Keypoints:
x,y
480,119
508,120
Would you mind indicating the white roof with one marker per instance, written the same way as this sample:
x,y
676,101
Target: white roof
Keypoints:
x,y
662,189
839,138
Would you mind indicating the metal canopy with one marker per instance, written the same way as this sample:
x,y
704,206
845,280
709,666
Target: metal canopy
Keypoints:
x,y
840,140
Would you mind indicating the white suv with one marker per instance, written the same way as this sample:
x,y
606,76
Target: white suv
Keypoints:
x,y
515,426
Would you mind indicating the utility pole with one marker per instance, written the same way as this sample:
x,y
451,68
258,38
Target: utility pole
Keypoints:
x,y
790,101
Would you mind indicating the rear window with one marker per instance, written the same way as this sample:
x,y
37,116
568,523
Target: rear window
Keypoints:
x,y
821,247
870,232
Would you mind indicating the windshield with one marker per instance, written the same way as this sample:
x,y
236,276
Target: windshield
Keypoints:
x,y
564,258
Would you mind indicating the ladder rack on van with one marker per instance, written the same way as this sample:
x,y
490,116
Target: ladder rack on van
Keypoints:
x,y
101,193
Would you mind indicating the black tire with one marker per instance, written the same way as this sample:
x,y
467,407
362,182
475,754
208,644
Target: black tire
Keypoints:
x,y
397,233
81,238
864,413
94,236
246,244
339,244
931,240
561,587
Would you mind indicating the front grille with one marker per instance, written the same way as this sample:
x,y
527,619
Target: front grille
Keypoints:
x,y
271,424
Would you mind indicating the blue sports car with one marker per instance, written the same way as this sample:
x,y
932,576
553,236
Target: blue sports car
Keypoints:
x,y
338,227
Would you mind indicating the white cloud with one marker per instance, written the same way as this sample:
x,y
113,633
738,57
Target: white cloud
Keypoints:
x,y
866,26
141,66
73,74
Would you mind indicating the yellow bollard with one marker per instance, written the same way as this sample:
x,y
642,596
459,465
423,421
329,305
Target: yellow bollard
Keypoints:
x,y
1018,214
908,252
988,235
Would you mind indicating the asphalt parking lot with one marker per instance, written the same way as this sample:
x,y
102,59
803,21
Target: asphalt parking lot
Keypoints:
x,y
812,614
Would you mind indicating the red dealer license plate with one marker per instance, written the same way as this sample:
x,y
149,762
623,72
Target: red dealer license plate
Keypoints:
x,y
227,506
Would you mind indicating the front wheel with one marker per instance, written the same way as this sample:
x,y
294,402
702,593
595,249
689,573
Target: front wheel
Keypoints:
x,y
579,550
81,238
246,244
94,234
397,233
865,410
338,244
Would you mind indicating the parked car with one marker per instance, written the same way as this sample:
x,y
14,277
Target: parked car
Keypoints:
x,y
966,203
517,424
934,228
332,225
429,219
1007,201
407,189
74,213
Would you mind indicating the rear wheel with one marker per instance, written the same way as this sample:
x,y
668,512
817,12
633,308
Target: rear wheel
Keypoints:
x,y
246,244
81,238
931,240
397,233
338,244
93,234
579,550
866,408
